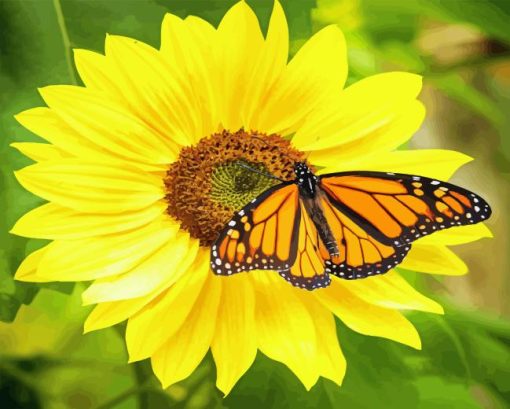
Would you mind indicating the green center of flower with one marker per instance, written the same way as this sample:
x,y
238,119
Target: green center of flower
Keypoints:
x,y
236,183
219,175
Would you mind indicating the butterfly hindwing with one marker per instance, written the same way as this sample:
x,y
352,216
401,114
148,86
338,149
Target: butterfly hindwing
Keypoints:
x,y
308,270
397,209
262,235
360,254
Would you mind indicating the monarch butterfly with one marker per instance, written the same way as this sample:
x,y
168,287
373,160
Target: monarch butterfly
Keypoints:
x,y
349,224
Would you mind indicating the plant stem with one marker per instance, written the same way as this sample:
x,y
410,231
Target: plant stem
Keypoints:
x,y
65,40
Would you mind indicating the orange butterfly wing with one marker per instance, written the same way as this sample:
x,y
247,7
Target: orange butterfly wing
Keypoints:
x,y
397,209
360,254
308,270
274,232
262,235
373,217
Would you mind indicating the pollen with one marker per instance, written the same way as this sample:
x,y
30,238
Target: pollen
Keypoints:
x,y
221,174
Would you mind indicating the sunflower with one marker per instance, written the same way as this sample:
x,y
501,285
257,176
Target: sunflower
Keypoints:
x,y
142,171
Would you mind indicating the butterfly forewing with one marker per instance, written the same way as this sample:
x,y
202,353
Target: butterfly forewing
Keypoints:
x,y
261,235
397,209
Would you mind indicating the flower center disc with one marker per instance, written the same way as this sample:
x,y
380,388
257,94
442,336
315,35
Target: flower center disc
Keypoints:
x,y
212,180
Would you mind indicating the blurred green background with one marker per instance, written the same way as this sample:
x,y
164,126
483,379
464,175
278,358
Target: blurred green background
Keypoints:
x,y
462,47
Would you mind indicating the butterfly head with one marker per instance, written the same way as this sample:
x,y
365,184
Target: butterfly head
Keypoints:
x,y
301,169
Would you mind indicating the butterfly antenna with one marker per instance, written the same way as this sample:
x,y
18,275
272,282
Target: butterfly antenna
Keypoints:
x,y
267,175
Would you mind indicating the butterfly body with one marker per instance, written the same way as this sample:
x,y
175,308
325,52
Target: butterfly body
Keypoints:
x,y
311,194
350,224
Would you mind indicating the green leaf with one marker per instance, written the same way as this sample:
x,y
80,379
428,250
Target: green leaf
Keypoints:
x,y
441,393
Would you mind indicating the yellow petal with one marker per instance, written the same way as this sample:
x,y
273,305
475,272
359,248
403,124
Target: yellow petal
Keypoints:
x,y
434,259
268,68
368,319
39,151
330,359
92,68
159,270
285,329
239,43
433,163
49,126
379,140
106,74
54,222
151,327
189,44
204,36
110,313
363,108
91,187
317,71
181,354
391,291
28,268
95,257
102,119
234,344
157,92
458,235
